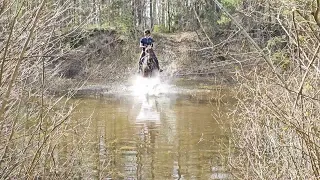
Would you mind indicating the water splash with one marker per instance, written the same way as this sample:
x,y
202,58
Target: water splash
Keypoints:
x,y
148,86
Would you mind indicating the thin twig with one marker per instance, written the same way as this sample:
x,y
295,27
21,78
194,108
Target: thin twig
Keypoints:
x,y
304,77
266,58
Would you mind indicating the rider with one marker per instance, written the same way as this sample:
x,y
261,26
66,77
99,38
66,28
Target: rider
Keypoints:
x,y
144,42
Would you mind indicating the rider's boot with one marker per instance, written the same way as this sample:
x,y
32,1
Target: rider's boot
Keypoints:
x,y
159,67
139,66
157,64
139,70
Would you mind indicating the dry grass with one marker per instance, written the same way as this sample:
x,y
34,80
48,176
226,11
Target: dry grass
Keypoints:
x,y
37,137
275,130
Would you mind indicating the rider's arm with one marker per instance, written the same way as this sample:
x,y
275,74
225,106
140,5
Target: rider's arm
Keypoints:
x,y
152,41
141,45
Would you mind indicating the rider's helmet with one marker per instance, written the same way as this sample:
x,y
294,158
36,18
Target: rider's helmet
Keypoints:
x,y
147,32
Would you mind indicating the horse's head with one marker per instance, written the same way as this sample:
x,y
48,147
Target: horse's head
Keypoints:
x,y
148,54
148,58
149,49
148,61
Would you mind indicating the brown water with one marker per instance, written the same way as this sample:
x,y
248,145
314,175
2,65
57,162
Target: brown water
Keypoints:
x,y
176,136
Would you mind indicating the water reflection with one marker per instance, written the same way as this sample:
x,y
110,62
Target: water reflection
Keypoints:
x,y
142,163
153,138
149,111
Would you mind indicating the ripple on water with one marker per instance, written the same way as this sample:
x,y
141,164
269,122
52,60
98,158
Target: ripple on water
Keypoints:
x,y
165,137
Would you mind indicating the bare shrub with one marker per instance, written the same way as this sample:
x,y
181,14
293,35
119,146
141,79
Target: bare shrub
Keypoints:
x,y
38,139
275,131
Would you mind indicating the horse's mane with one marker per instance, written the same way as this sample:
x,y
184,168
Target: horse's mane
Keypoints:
x,y
148,64
149,50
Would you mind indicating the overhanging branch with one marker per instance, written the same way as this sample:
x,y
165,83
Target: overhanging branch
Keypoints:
x,y
265,57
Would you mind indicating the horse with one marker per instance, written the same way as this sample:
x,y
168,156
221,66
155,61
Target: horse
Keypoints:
x,y
148,67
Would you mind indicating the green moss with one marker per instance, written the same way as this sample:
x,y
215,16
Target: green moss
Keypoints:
x,y
224,20
281,59
160,28
231,3
104,26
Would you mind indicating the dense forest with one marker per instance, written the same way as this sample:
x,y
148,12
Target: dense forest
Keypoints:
x,y
269,50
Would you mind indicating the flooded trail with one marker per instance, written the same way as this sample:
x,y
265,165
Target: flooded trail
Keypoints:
x,y
156,132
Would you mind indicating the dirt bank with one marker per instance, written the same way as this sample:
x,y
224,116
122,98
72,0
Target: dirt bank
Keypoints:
x,y
187,55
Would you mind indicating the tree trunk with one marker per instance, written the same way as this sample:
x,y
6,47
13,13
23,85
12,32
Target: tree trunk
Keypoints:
x,y
169,17
151,14
94,11
154,6
134,17
139,11
163,12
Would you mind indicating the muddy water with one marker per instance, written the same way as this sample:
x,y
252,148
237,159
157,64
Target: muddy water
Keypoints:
x,y
168,136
